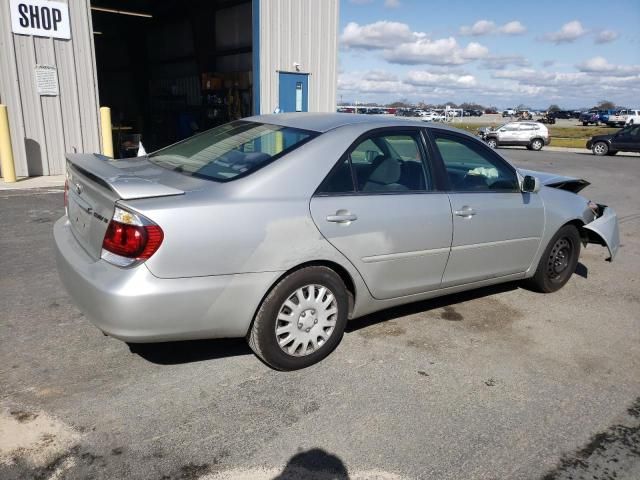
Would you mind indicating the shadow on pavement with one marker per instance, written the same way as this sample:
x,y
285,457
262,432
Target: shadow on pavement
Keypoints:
x,y
426,305
175,353
314,464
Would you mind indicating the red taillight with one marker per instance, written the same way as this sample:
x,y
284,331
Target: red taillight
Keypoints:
x,y
132,241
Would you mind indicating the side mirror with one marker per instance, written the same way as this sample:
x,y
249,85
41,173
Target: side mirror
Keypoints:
x,y
530,184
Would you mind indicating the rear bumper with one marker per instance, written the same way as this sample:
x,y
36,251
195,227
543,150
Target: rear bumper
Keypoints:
x,y
135,306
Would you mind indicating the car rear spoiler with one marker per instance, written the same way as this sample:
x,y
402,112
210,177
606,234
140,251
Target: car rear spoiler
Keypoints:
x,y
119,176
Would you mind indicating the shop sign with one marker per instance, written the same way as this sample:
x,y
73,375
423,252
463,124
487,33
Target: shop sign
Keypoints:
x,y
41,18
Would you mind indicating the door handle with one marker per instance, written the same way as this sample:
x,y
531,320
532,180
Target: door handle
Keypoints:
x,y
342,216
466,212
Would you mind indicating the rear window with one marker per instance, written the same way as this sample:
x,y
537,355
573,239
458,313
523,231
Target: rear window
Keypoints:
x,y
231,150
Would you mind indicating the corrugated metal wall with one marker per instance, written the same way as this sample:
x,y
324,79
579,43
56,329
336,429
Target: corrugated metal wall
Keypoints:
x,y
305,32
44,128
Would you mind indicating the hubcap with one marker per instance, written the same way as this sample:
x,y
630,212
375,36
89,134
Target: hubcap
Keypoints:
x,y
306,320
599,148
559,259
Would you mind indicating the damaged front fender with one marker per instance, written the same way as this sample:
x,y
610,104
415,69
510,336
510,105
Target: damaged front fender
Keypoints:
x,y
604,230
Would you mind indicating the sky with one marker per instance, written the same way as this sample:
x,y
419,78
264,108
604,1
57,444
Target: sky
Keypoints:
x,y
502,53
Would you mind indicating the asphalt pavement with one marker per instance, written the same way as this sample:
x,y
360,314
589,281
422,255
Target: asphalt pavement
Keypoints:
x,y
499,383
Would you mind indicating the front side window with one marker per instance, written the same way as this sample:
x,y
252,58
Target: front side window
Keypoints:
x,y
230,150
383,163
472,167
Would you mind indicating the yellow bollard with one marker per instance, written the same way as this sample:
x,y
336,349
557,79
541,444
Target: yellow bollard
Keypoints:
x,y
7,167
105,128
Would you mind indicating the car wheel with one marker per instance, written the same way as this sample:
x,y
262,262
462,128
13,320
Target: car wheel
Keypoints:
x,y
492,142
600,148
584,124
537,144
631,122
558,262
611,153
301,320
528,147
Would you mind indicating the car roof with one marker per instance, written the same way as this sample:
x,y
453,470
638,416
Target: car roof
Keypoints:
x,y
323,122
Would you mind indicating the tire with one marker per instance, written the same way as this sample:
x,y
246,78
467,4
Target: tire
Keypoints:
x,y
300,341
600,149
585,124
528,147
492,142
558,262
537,144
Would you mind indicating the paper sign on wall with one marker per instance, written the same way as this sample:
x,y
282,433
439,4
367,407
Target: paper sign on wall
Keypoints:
x,y
41,18
47,80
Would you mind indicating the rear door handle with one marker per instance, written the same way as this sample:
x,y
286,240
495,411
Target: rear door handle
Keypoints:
x,y
342,216
466,212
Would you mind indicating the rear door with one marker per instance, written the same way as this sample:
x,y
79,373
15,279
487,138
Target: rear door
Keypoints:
x,y
496,227
380,208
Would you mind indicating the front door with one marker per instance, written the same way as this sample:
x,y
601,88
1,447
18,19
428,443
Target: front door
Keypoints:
x,y
379,208
294,92
496,227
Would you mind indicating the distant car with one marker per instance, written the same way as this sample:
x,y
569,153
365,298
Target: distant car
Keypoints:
x,y
590,117
625,140
633,118
604,115
510,112
620,117
281,228
490,111
531,135
433,117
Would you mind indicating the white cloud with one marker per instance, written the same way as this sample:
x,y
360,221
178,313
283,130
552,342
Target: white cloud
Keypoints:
x,y
569,32
487,27
499,62
445,51
602,66
424,78
372,82
513,28
606,36
481,27
392,3
376,35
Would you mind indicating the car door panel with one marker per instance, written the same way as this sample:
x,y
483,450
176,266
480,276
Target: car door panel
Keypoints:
x,y
496,227
500,239
399,243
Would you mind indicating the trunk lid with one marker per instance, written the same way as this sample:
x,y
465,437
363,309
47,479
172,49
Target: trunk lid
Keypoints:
x,y
96,183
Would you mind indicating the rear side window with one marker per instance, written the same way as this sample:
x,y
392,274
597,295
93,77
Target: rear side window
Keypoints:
x,y
471,167
231,150
383,163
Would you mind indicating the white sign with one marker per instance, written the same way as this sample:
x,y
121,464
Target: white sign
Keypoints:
x,y
47,80
41,18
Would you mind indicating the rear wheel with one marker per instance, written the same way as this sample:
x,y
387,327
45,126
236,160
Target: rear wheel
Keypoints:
x,y
558,262
301,320
600,148
537,144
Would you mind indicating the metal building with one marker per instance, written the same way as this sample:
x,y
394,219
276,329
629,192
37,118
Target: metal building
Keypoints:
x,y
166,69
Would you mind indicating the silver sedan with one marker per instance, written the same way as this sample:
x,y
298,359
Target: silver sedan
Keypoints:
x,y
281,228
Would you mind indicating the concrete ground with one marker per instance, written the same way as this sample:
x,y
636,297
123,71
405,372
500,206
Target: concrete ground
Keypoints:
x,y
499,383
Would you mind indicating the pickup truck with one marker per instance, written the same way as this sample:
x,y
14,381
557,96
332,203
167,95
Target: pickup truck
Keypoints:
x,y
633,118
604,115
590,117
619,118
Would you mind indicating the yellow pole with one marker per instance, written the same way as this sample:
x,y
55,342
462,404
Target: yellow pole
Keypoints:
x,y
279,142
105,128
6,152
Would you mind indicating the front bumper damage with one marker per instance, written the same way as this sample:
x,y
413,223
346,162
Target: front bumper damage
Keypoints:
x,y
604,230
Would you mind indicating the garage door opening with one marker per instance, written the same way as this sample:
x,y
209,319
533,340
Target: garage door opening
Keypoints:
x,y
171,69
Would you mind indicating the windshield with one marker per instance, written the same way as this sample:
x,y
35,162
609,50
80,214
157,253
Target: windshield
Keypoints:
x,y
231,150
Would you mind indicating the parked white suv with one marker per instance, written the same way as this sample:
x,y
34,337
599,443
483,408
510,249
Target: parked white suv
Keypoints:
x,y
532,135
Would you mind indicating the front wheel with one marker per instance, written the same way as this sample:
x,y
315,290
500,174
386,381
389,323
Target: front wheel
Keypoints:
x,y
558,262
301,320
537,144
600,148
493,143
